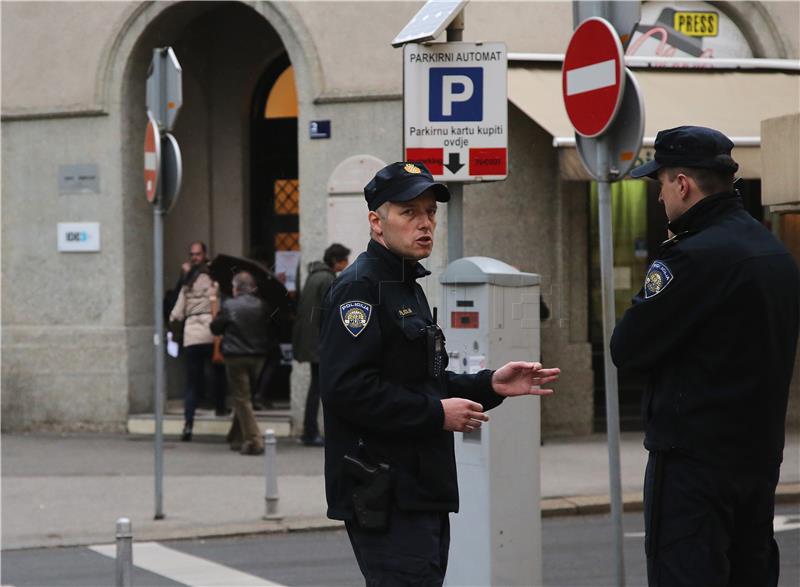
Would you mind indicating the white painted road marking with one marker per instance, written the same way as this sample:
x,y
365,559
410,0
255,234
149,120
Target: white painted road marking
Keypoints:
x,y
779,524
786,523
591,77
184,568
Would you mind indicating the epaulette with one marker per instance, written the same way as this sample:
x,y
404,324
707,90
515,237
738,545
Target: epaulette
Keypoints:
x,y
675,239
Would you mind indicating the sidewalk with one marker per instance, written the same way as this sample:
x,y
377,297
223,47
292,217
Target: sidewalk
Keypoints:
x,y
60,490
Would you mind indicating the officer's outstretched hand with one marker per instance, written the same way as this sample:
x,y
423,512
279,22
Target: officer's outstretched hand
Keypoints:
x,y
521,378
462,415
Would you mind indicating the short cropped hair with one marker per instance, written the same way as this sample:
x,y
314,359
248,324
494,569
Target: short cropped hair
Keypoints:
x,y
710,181
244,283
335,253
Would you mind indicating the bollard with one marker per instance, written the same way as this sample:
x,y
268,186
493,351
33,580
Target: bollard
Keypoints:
x,y
271,475
124,561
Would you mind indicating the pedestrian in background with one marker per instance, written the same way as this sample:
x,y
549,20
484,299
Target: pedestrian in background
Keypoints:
x,y
243,323
390,406
715,326
305,340
193,310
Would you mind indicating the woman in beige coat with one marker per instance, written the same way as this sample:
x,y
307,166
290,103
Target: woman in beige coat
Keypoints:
x,y
194,308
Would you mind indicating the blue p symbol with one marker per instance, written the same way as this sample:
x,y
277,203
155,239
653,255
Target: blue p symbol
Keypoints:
x,y
455,94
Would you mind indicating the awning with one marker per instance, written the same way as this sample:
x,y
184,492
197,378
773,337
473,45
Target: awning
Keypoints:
x,y
734,102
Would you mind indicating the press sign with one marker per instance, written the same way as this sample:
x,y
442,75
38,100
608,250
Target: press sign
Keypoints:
x,y
78,237
697,24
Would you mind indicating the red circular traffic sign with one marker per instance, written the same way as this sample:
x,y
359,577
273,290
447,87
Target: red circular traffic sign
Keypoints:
x,y
592,78
152,158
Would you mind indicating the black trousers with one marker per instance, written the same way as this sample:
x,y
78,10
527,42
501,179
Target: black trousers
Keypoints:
x,y
412,552
708,527
198,367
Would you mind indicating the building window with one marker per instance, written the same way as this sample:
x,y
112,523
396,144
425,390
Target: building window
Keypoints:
x,y
287,196
282,100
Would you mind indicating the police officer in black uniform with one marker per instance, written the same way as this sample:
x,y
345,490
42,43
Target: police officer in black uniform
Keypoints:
x,y
715,326
390,406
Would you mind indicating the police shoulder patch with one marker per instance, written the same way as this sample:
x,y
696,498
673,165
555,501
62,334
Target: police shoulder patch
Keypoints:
x,y
355,316
658,277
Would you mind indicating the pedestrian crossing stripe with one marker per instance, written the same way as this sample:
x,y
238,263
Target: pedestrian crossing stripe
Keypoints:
x,y
779,524
184,568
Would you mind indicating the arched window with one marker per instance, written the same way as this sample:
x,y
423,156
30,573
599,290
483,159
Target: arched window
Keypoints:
x,y
282,99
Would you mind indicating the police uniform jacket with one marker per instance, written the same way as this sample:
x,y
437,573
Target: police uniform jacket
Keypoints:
x,y
715,326
376,388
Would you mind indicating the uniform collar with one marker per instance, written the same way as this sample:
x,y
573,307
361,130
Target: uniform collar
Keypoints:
x,y
404,269
705,212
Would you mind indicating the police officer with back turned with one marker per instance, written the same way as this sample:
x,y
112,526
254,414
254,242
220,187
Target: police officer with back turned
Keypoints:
x,y
390,406
715,327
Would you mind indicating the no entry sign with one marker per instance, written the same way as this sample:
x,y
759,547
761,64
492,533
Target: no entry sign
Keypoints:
x,y
152,158
592,79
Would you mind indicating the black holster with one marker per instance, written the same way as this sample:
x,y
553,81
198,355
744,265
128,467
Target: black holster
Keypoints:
x,y
372,494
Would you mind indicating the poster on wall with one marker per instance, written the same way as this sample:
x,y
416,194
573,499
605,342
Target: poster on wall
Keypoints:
x,y
687,30
286,263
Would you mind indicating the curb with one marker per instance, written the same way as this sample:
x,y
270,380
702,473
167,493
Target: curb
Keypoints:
x,y
551,507
150,532
582,505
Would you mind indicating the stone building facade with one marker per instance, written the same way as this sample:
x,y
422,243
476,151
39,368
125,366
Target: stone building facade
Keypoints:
x,y
77,336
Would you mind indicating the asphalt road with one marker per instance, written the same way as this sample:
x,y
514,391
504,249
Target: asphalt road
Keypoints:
x,y
577,552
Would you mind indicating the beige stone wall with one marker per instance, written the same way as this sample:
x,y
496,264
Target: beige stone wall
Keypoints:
x,y
783,26
77,329
538,223
47,71
78,67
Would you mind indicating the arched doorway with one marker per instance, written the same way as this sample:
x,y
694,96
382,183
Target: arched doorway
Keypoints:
x,y
275,200
224,49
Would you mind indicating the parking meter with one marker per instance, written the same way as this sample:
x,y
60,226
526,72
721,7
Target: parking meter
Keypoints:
x,y
490,315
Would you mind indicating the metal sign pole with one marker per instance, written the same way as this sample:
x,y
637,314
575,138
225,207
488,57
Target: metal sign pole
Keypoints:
x,y
164,93
455,222
609,320
158,342
455,207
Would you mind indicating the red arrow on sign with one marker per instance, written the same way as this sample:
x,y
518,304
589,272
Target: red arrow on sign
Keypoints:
x,y
152,158
592,78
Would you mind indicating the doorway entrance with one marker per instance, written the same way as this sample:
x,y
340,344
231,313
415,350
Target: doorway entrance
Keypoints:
x,y
275,202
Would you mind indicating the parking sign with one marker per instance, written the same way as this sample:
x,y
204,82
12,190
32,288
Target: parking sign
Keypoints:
x,y
456,94
455,109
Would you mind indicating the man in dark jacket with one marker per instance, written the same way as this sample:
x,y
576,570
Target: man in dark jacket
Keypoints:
x,y
715,326
305,340
243,323
390,407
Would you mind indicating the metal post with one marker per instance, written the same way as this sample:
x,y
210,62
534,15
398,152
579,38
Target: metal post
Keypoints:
x,y
124,560
455,222
158,343
609,321
271,475
455,207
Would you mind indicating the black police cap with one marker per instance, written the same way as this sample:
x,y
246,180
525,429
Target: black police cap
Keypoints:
x,y
401,182
689,146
